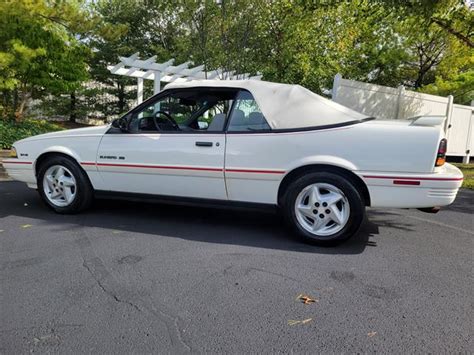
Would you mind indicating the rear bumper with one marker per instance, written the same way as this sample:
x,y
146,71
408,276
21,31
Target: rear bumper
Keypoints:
x,y
414,190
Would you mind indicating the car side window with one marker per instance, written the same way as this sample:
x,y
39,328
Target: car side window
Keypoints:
x,y
246,115
213,119
187,111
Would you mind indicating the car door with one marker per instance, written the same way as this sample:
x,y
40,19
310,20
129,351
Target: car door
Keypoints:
x,y
160,157
254,155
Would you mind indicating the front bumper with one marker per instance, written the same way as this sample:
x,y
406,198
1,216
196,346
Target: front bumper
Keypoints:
x,y
21,170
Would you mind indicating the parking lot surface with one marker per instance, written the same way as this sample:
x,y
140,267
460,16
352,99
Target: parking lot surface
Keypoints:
x,y
133,277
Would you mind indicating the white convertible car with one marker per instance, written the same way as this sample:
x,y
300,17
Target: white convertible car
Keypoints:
x,y
247,142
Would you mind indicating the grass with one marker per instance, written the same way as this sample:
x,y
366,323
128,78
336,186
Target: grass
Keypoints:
x,y
468,171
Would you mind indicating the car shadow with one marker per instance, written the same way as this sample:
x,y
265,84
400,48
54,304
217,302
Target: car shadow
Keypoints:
x,y
387,219
464,202
253,228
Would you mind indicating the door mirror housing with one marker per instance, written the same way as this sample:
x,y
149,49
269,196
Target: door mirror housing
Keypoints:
x,y
203,125
121,123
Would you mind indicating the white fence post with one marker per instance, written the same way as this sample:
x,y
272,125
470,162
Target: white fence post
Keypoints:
x,y
467,157
335,85
449,114
398,109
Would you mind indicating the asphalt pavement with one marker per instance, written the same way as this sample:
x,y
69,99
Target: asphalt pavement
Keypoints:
x,y
152,278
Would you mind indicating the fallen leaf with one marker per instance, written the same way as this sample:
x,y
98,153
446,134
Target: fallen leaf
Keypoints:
x,y
306,299
295,322
371,334
2,230
26,226
117,232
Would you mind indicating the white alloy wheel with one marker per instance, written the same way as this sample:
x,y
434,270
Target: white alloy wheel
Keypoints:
x,y
322,209
59,186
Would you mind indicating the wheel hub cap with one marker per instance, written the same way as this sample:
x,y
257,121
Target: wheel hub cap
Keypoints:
x,y
59,186
322,209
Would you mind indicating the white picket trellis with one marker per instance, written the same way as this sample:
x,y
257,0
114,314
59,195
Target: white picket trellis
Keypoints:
x,y
167,72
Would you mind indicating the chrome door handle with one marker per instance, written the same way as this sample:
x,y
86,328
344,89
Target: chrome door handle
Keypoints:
x,y
204,144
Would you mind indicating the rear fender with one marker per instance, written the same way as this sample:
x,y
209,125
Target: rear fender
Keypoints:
x,y
324,160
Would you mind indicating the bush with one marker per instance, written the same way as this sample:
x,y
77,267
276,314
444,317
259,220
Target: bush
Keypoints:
x,y
11,131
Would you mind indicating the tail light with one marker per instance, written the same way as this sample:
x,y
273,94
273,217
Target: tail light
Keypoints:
x,y
441,156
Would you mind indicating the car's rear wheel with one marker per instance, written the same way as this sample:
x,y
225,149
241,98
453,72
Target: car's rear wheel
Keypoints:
x,y
63,185
323,208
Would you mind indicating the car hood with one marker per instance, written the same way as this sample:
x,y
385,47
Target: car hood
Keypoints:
x,y
78,132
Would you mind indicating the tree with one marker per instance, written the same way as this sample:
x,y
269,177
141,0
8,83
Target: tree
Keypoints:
x,y
51,48
140,26
38,56
308,43
219,34
452,16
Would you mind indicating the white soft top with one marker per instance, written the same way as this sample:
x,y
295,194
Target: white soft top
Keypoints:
x,y
285,106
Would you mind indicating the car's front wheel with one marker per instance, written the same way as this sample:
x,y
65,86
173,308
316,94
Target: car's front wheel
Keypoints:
x,y
324,208
63,185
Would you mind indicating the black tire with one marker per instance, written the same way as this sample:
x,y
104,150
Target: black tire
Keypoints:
x,y
84,191
353,196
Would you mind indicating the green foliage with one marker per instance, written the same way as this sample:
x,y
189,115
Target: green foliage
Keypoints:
x,y
468,171
461,86
388,43
11,131
310,44
48,49
134,31
38,53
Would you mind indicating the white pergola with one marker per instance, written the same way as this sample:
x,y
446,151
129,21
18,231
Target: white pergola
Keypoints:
x,y
167,72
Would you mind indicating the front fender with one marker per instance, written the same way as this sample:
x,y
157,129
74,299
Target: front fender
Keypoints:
x,y
58,149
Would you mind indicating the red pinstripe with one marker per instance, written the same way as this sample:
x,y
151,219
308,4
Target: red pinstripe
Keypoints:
x,y
17,162
411,178
194,168
159,167
255,171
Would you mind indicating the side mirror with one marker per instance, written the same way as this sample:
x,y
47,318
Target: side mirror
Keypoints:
x,y
120,123
203,125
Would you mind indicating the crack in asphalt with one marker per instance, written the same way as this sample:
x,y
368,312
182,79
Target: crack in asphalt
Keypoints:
x,y
113,295
95,266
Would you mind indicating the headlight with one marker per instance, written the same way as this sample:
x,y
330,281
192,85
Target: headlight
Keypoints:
x,y
13,153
